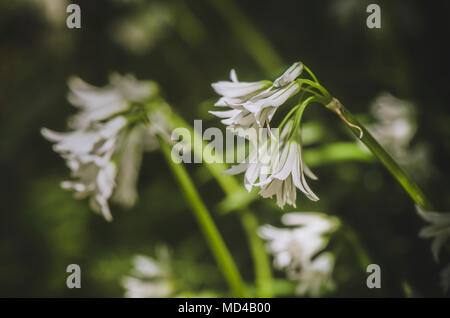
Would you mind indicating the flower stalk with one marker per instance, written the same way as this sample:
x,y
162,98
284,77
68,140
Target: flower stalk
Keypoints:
x,y
262,266
336,107
393,167
212,235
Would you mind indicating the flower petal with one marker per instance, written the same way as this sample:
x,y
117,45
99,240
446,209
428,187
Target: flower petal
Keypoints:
x,y
289,75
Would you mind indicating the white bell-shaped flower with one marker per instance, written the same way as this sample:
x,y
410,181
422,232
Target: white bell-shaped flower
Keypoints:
x,y
253,104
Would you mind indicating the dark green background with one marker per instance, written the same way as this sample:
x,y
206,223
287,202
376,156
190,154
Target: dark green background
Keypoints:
x,y
43,229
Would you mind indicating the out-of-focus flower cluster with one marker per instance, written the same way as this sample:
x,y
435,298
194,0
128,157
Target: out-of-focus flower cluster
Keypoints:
x,y
150,277
298,250
104,148
395,127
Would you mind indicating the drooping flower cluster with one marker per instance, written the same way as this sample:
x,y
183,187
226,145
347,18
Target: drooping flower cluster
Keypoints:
x,y
277,167
101,103
275,163
150,277
253,104
297,250
88,154
439,229
104,148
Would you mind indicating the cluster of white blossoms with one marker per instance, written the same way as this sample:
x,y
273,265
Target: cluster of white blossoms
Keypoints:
x,y
101,103
104,148
439,229
275,163
298,250
277,167
253,104
149,278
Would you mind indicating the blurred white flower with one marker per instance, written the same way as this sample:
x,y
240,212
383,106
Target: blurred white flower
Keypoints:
x,y
129,165
439,229
395,128
149,278
296,249
101,103
253,104
104,150
88,154
317,276
137,288
96,143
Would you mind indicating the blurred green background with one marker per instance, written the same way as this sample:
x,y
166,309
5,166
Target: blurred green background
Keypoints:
x,y
184,46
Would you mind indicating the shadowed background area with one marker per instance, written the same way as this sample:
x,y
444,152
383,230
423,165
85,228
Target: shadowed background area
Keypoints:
x,y
184,46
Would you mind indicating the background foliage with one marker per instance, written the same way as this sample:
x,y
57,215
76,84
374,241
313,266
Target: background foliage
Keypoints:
x,y
184,46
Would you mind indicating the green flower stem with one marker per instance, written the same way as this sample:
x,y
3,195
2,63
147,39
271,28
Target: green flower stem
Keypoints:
x,y
285,119
298,116
263,269
405,181
213,237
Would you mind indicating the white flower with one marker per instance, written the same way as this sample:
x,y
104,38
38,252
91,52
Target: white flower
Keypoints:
x,y
100,103
274,165
277,166
88,153
137,288
316,278
294,248
439,229
149,277
129,165
147,267
105,148
255,165
254,103
234,95
96,143
287,175
395,126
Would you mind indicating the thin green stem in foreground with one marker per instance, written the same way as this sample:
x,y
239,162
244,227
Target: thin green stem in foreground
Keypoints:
x,y
263,269
261,260
394,168
212,235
